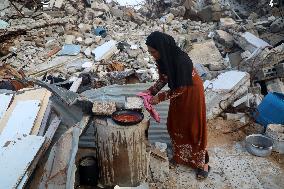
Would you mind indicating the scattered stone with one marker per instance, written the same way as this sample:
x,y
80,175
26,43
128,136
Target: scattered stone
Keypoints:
x,y
275,85
277,25
104,107
224,38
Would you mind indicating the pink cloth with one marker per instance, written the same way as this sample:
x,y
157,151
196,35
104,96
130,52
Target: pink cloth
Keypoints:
x,y
146,99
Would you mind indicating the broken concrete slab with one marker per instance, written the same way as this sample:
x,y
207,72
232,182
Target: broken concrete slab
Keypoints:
x,y
235,59
3,24
275,85
227,22
224,90
251,43
105,51
224,38
104,107
70,49
208,56
277,25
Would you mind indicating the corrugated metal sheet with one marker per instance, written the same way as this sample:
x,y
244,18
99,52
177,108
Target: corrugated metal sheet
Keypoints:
x,y
158,131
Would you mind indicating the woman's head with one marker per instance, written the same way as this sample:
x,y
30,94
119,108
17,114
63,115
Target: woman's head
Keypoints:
x,y
158,42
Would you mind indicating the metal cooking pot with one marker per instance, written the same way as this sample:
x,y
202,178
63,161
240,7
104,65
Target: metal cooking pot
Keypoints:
x,y
139,117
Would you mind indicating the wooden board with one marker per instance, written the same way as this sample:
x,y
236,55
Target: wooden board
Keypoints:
x,y
21,121
29,94
5,100
13,167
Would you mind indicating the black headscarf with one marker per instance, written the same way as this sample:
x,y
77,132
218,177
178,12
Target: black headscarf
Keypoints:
x,y
173,62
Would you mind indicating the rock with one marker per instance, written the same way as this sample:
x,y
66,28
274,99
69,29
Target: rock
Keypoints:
x,y
117,13
253,16
224,38
208,56
206,14
235,59
100,7
227,22
104,107
89,41
167,18
275,85
178,11
277,25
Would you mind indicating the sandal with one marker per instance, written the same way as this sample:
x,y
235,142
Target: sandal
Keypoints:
x,y
201,174
172,163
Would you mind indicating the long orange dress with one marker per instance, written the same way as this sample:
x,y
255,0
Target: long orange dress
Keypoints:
x,y
186,121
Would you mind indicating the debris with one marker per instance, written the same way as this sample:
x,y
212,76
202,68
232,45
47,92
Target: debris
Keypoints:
x,y
276,133
99,31
167,18
275,85
251,43
104,107
70,49
224,90
105,51
242,117
227,22
224,38
209,55
3,24
277,25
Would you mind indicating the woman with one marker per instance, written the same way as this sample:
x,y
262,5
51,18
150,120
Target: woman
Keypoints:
x,y
186,121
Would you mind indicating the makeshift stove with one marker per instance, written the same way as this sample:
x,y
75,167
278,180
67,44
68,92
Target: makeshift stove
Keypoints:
x,y
123,152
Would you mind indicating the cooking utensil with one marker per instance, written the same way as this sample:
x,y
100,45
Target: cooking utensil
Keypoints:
x,y
127,117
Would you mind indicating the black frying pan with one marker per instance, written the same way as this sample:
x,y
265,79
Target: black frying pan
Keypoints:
x,y
139,117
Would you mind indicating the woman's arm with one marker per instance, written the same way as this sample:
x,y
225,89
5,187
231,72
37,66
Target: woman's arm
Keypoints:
x,y
169,94
162,81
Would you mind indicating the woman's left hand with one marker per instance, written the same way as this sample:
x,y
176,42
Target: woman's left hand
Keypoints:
x,y
154,100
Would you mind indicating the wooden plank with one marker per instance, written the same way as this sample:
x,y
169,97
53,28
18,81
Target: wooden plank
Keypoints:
x,y
21,121
28,94
5,100
13,167
48,139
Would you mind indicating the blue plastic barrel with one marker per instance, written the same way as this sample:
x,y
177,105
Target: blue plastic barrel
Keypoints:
x,y
271,110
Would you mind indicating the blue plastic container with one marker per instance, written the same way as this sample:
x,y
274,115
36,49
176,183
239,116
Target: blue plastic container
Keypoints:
x,y
271,110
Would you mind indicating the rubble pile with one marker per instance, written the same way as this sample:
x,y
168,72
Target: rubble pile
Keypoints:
x,y
237,47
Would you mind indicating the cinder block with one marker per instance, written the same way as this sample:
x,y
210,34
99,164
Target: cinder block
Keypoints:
x,y
104,107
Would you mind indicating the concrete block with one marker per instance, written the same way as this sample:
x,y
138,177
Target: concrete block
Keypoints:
x,y
224,90
235,59
280,70
242,117
104,107
277,25
251,43
275,85
105,51
209,55
227,22
224,38
266,73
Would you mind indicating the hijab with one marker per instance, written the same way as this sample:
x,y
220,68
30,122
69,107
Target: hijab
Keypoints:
x,y
173,62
